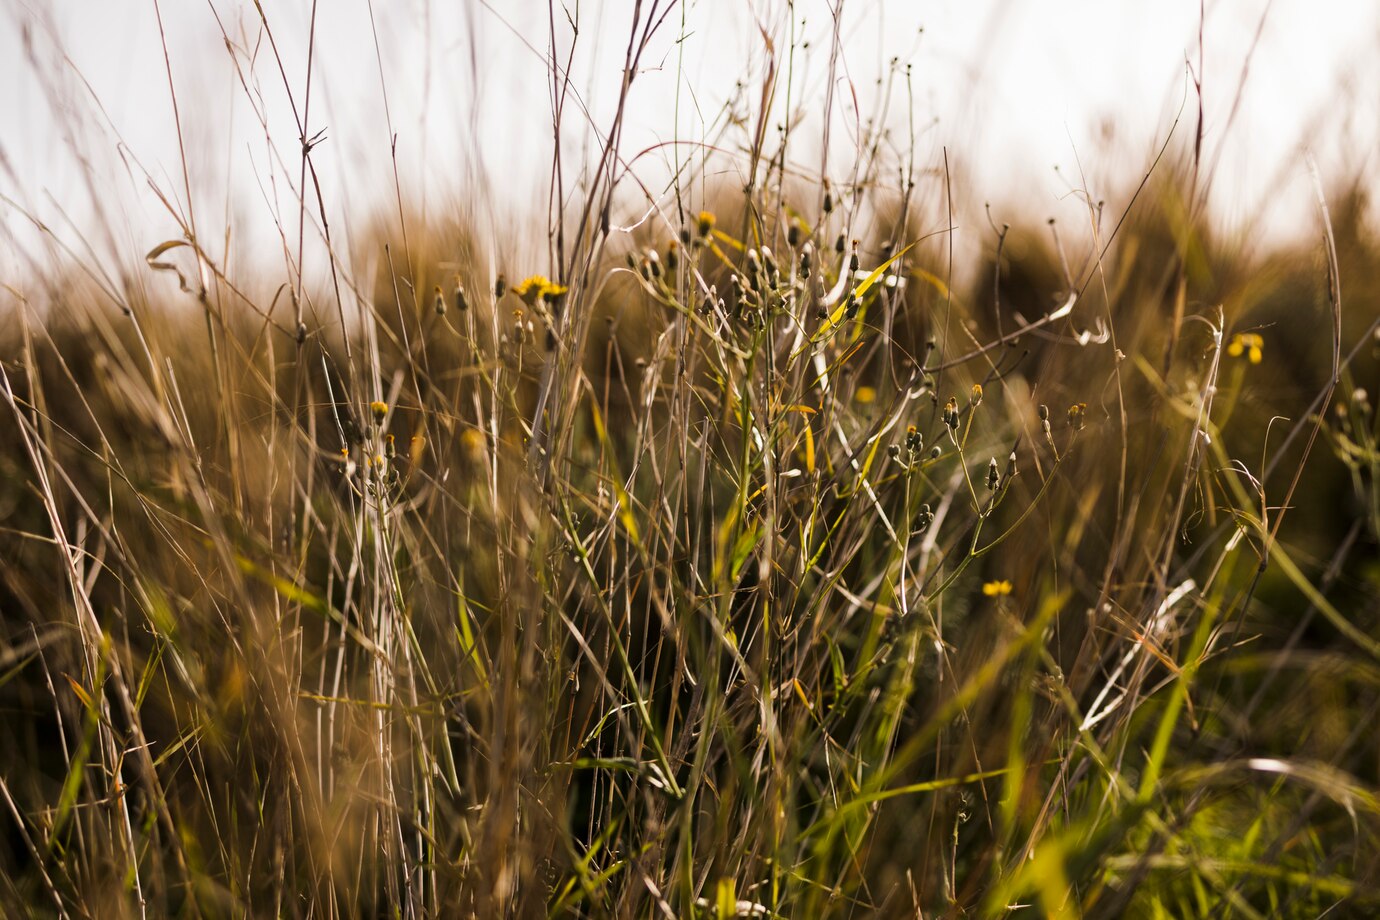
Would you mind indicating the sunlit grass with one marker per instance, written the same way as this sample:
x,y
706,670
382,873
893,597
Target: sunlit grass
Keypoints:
x,y
748,562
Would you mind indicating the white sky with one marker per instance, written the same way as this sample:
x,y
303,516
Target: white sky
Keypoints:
x,y
1016,88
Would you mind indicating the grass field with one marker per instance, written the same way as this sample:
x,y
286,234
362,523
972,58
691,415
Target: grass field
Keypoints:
x,y
747,552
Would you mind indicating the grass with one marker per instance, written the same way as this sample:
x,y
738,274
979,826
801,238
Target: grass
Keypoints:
x,y
756,564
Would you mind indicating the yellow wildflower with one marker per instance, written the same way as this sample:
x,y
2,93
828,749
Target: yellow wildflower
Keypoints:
x,y
1247,343
865,395
997,588
538,287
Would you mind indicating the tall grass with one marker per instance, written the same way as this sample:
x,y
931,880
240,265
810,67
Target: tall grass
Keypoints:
x,y
759,561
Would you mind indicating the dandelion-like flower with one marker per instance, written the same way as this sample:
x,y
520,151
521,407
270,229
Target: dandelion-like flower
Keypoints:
x,y
380,410
538,287
997,588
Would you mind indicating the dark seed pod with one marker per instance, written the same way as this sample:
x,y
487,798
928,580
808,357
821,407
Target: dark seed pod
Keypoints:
x,y
1077,411
950,414
500,287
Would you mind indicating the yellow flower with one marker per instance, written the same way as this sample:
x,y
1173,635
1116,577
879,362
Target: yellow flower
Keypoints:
x,y
472,443
538,287
1247,343
706,223
380,410
997,588
865,395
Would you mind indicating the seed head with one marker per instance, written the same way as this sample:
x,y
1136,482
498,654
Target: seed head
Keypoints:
x,y
1077,413
773,273
950,414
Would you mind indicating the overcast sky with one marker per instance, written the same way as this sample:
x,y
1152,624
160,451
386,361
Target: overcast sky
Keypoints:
x,y
1011,89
